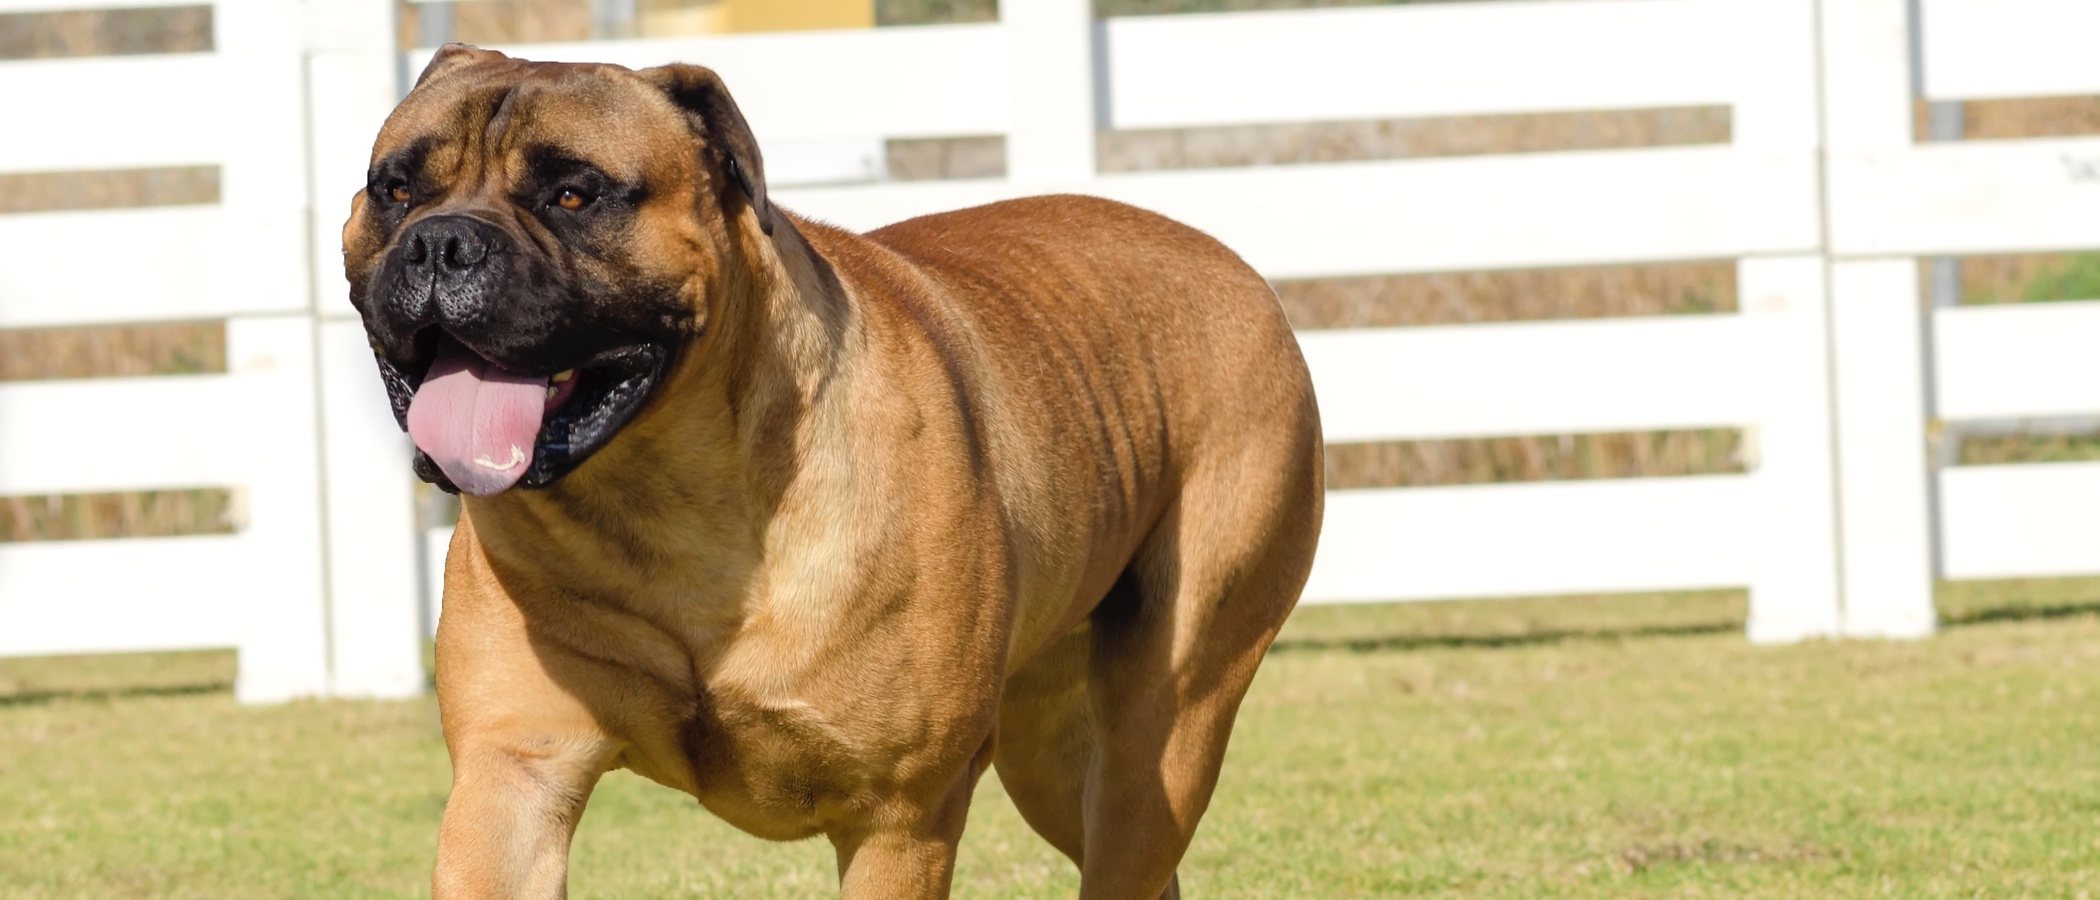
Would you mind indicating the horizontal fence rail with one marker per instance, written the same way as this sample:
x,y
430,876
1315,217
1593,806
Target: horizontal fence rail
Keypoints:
x,y
2020,521
1388,384
105,267
1549,209
1989,49
925,81
2016,361
1966,197
119,434
171,593
1459,59
172,114
1518,539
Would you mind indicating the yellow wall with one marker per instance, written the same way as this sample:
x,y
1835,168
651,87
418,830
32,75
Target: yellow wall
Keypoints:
x,y
662,18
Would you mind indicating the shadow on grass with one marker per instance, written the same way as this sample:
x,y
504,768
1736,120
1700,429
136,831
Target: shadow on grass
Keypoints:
x,y
1988,615
44,697
1379,644
1961,618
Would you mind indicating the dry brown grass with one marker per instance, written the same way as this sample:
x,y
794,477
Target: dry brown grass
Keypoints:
x,y
112,351
108,189
2031,117
518,20
117,515
112,32
2018,278
1509,296
1567,457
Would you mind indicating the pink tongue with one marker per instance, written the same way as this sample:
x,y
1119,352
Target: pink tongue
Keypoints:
x,y
478,422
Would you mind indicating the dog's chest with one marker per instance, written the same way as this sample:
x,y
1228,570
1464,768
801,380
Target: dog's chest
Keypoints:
x,y
781,769
802,721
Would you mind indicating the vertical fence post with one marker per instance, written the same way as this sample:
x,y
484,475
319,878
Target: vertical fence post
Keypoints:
x,y
1878,333
353,80
1794,591
283,599
1943,122
1053,58
284,651
434,19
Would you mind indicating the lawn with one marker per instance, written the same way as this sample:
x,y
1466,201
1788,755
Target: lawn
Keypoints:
x,y
1603,747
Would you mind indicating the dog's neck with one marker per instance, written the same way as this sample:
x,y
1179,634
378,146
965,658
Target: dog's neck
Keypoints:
x,y
739,416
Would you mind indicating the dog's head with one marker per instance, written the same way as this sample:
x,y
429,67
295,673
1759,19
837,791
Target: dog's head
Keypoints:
x,y
536,245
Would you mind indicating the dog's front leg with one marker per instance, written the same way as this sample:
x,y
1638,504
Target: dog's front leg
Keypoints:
x,y
904,862
514,807
905,850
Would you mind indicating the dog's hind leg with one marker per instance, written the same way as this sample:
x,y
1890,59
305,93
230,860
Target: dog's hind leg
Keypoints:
x,y
1046,744
1175,647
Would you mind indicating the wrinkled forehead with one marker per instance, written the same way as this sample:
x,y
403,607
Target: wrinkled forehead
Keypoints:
x,y
513,111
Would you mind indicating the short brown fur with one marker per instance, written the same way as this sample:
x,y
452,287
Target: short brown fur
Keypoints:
x,y
1030,485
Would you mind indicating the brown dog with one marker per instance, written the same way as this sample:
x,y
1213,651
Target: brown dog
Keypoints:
x,y
815,526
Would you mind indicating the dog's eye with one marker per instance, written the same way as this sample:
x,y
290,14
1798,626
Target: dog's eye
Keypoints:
x,y
398,192
572,199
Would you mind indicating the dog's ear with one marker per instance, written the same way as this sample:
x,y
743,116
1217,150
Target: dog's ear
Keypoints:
x,y
453,56
714,116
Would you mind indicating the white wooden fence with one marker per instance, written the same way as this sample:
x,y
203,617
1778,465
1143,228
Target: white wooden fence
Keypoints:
x,y
1832,366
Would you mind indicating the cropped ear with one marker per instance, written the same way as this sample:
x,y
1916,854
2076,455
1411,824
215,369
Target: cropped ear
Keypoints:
x,y
714,116
455,55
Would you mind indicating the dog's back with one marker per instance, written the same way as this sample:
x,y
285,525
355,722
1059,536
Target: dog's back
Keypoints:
x,y
1126,355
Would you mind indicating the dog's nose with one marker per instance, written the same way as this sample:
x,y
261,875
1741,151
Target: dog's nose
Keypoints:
x,y
448,247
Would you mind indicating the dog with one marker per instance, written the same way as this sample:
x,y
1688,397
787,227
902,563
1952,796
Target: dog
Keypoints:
x,y
811,525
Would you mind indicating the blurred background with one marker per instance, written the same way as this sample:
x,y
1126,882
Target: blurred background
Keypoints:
x,y
1551,632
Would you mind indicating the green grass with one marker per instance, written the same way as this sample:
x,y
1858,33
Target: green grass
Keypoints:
x,y
1588,747
2076,277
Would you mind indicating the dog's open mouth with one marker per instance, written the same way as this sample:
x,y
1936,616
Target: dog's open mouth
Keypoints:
x,y
482,429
